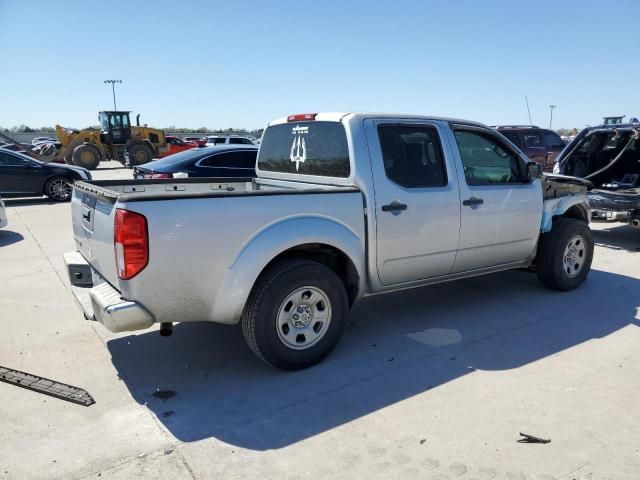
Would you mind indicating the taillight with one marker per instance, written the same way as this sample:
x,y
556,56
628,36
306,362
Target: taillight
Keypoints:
x,y
157,175
131,243
299,117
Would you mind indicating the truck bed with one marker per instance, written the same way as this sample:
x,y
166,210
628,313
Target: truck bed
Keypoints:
x,y
199,228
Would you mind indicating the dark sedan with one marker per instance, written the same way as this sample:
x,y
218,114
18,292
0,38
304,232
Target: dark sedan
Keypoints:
x,y
23,176
213,161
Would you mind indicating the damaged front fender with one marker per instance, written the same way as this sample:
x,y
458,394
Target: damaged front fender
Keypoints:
x,y
563,196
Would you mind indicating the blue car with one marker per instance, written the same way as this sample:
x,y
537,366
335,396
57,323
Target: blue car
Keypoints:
x,y
210,161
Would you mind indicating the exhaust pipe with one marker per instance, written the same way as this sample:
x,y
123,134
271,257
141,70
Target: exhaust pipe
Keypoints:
x,y
166,329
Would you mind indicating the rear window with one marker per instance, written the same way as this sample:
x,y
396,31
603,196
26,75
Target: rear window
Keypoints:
x,y
306,148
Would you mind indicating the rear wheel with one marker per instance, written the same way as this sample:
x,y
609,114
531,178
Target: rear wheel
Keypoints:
x,y
295,314
139,153
58,189
565,254
86,156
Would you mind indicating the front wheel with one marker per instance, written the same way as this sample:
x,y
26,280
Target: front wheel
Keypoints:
x,y
565,254
295,314
86,156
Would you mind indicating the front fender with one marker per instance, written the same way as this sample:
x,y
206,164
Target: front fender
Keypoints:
x,y
556,207
270,242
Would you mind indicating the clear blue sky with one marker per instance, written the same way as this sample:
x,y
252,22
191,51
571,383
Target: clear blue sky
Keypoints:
x,y
241,64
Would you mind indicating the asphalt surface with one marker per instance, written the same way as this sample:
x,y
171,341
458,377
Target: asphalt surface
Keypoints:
x,y
433,383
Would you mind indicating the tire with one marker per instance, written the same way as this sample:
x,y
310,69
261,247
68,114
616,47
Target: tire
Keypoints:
x,y
58,189
86,156
269,323
565,254
139,153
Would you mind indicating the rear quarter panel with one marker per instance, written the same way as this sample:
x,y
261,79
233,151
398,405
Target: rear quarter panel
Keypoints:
x,y
206,254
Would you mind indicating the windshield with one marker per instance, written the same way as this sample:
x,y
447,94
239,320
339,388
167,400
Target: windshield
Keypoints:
x,y
306,148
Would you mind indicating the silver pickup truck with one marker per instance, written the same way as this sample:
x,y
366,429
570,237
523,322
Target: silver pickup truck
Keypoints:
x,y
344,206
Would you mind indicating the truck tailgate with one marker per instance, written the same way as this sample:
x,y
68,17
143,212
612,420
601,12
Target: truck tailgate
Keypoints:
x,y
92,218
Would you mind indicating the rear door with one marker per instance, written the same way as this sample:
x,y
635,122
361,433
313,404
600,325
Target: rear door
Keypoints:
x,y
417,200
500,210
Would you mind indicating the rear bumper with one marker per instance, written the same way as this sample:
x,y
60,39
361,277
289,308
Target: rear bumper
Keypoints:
x,y
102,302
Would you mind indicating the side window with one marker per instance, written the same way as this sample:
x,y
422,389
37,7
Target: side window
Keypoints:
x,y
412,155
552,139
245,159
512,136
215,160
8,160
486,161
240,141
532,139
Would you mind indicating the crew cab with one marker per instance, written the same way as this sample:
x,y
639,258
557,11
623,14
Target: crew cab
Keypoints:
x,y
344,206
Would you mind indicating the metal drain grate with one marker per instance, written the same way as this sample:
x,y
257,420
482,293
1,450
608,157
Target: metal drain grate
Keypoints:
x,y
46,386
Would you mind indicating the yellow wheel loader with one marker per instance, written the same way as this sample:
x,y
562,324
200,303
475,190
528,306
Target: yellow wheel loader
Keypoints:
x,y
116,140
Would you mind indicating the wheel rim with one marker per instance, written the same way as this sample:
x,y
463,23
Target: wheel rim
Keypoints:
x,y
140,157
575,255
86,156
59,189
303,318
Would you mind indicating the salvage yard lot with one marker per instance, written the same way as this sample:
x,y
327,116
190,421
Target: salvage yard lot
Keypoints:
x,y
435,382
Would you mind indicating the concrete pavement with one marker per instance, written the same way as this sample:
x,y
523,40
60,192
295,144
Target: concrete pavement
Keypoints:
x,y
431,383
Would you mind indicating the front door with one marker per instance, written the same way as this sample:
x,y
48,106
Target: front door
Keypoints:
x,y
501,210
417,204
19,175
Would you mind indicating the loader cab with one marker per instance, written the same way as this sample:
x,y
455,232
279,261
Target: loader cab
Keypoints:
x,y
115,127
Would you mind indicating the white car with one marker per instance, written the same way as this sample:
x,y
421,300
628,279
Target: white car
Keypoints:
x,y
3,214
37,140
228,139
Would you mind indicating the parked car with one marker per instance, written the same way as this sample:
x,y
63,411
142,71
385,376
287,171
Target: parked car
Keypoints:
x,y
3,214
23,176
344,206
228,139
43,139
216,161
608,156
539,144
176,145
201,141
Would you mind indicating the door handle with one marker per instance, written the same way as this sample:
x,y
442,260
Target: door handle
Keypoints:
x,y
472,202
394,207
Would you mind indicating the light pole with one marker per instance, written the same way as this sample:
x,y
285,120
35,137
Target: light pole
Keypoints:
x,y
551,107
113,90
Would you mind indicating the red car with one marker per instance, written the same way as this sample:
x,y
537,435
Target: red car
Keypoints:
x,y
176,145
201,141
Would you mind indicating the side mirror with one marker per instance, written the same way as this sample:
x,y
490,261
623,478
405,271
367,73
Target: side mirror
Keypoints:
x,y
534,170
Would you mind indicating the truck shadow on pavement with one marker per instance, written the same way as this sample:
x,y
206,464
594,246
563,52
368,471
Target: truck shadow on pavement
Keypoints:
x,y
208,384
